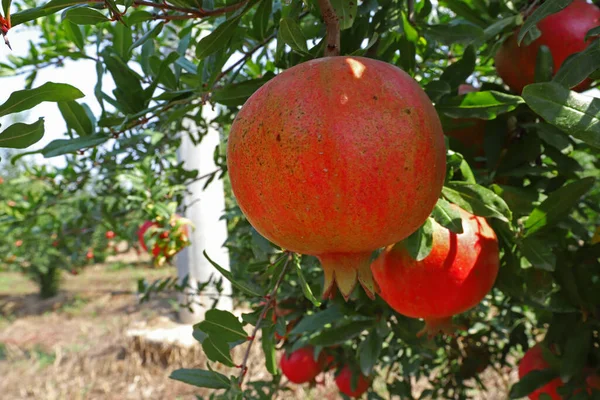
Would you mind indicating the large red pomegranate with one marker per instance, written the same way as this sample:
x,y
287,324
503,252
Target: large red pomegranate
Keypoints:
x,y
344,383
300,366
563,32
454,277
337,157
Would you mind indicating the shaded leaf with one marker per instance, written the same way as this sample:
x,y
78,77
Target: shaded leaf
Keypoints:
x,y
346,11
76,117
64,146
305,286
217,39
447,216
477,200
420,243
458,31
22,100
579,66
292,35
541,12
368,352
85,16
530,382
20,135
482,105
341,333
539,254
201,378
317,320
223,325
217,350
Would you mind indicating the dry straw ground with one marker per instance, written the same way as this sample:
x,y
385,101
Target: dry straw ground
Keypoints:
x,y
75,347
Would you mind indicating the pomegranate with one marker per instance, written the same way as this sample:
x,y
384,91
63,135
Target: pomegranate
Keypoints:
x,y
300,366
337,157
471,131
110,235
344,383
163,236
454,277
89,255
563,33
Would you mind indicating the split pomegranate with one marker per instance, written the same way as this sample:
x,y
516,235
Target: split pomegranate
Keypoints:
x,y
454,277
300,366
344,383
564,34
337,157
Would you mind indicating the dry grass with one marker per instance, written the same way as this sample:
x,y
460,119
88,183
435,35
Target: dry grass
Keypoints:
x,y
75,345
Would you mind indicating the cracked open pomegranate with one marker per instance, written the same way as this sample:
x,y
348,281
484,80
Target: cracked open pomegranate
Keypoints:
x,y
454,277
335,158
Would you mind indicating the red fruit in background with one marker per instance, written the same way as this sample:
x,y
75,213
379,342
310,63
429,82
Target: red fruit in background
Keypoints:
x,y
300,366
454,277
336,157
563,33
19,243
89,255
469,131
534,360
344,383
110,235
55,243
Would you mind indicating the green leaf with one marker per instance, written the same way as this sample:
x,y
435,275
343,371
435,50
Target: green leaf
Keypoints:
x,y
76,117
500,26
539,254
437,89
305,287
462,9
249,290
482,105
592,32
292,35
477,200
574,113
201,378
544,65
530,382
368,352
419,244
217,39
63,146
579,66
223,325
456,74
447,216
346,11
458,31
262,16
152,33
341,333
217,350
237,93
316,321
20,135
49,8
557,205
268,346
85,16
579,343
73,32
6,8
22,100
541,12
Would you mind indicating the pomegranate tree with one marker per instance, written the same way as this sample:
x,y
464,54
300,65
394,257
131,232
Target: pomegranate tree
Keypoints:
x,y
564,34
454,277
335,158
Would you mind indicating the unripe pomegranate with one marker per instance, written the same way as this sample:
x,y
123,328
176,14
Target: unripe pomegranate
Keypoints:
x,y
110,235
454,277
344,383
300,366
337,157
563,32
472,134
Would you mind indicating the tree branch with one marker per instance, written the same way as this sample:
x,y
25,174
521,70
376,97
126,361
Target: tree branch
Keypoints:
x,y
332,28
196,13
270,300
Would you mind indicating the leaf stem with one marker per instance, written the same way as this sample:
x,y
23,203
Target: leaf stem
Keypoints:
x,y
270,299
332,28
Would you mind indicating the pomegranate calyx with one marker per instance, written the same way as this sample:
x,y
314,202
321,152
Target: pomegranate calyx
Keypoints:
x,y
345,269
434,326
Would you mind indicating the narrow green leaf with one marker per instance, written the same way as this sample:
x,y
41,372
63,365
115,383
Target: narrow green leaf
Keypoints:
x,y
64,146
530,382
20,135
305,287
262,16
341,333
544,65
437,89
201,378
592,32
217,350
369,351
292,35
76,117
228,275
420,243
477,200
217,39
576,352
579,66
223,325
268,346
237,93
318,320
447,216
6,8
49,8
85,16
152,33
458,31
502,25
574,113
73,32
547,8
483,105
456,74
557,205
346,11
539,254
26,99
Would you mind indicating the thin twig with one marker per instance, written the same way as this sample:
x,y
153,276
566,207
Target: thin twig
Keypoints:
x,y
332,28
411,11
270,300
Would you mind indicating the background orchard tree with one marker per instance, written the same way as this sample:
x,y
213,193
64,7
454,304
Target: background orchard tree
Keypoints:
x,y
522,155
